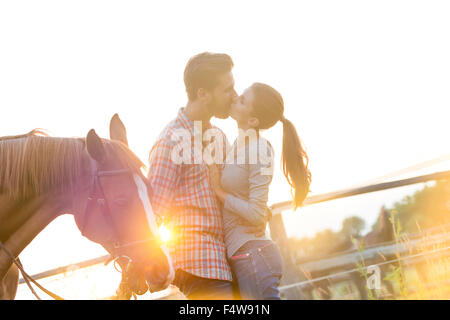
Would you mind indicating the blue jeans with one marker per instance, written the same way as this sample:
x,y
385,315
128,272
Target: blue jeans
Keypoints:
x,y
258,267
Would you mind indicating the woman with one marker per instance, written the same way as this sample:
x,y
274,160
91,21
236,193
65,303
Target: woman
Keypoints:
x,y
243,187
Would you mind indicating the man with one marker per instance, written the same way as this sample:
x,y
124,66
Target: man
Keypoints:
x,y
181,192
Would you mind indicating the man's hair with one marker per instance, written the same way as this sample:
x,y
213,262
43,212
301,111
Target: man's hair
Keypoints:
x,y
203,71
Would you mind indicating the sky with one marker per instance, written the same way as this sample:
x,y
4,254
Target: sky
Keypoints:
x,y
366,84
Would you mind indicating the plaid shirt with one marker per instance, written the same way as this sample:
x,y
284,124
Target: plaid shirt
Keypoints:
x,y
183,196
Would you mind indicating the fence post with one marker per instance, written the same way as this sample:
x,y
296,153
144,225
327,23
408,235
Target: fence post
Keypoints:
x,y
290,272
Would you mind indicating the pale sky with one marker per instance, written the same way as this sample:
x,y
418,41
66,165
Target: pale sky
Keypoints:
x,y
365,82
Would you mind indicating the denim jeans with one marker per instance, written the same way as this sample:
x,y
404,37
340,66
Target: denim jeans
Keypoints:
x,y
197,288
258,267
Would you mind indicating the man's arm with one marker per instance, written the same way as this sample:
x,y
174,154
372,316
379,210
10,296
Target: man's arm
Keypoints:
x,y
163,175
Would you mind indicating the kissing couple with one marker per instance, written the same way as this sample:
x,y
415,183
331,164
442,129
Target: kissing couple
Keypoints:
x,y
218,211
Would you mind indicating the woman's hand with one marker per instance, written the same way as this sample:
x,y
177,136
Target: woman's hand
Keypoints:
x,y
215,176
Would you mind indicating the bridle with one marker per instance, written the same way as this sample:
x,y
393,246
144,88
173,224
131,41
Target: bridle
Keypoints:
x,y
97,197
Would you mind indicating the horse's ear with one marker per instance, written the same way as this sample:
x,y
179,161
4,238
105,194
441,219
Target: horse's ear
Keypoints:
x,y
117,130
95,146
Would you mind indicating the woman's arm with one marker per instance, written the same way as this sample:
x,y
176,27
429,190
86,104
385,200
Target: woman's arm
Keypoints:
x,y
254,210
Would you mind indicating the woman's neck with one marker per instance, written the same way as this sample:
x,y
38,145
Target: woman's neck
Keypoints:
x,y
246,131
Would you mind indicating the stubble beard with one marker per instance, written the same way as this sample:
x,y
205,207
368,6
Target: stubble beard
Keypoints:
x,y
218,112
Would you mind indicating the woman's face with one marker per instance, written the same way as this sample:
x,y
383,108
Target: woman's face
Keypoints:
x,y
241,110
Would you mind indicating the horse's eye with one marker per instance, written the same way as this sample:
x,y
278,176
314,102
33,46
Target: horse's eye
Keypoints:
x,y
121,201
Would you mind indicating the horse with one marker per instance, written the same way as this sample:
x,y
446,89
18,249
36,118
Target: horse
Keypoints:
x,y
8,287
97,180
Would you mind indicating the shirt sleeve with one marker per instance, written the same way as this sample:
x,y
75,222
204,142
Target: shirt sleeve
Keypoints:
x,y
163,175
254,210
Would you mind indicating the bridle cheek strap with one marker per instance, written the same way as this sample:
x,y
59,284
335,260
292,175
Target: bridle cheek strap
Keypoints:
x,y
97,197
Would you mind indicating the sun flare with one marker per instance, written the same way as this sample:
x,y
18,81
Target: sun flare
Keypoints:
x,y
164,233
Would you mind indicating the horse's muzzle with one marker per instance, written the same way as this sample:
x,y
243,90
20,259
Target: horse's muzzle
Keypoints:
x,y
159,278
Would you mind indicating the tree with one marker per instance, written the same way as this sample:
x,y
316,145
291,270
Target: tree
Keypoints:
x,y
426,208
352,227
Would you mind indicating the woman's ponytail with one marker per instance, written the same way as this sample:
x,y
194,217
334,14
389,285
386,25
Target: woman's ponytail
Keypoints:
x,y
294,161
268,108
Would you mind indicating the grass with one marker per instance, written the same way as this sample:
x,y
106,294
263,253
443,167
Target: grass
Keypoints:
x,y
426,279
422,272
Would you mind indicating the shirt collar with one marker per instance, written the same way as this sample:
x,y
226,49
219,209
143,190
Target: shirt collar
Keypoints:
x,y
187,123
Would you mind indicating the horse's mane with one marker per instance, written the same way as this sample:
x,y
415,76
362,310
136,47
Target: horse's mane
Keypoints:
x,y
34,132
32,165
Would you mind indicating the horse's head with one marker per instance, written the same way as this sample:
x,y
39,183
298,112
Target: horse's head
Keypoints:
x,y
116,211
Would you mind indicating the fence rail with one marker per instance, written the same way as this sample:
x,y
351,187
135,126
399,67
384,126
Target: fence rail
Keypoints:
x,y
278,208
70,267
383,251
343,275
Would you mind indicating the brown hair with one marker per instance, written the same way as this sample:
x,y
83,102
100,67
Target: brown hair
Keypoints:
x,y
268,108
203,71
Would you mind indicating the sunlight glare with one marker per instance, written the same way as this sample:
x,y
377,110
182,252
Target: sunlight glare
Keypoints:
x,y
164,233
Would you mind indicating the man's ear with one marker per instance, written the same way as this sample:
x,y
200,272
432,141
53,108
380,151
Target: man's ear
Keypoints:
x,y
204,95
95,146
117,130
253,122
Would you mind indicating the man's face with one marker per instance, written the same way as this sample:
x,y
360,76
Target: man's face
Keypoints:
x,y
222,96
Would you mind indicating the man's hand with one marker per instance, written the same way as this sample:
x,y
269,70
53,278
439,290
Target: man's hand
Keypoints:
x,y
215,176
257,230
